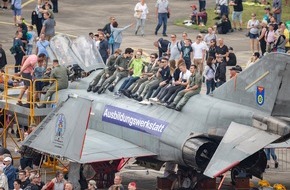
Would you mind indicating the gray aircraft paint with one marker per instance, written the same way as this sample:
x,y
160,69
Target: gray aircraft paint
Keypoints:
x,y
202,116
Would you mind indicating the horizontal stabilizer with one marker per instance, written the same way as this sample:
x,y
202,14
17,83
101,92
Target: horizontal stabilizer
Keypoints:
x,y
239,142
63,130
101,147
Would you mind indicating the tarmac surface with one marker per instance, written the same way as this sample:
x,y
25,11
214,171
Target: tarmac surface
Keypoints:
x,y
81,17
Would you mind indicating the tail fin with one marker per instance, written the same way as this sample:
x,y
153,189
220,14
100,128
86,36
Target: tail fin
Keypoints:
x,y
264,86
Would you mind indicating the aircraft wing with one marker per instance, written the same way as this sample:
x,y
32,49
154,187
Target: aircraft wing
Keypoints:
x,y
239,142
64,133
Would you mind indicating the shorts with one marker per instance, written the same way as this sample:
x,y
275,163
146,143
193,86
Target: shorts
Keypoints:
x,y
253,36
17,12
237,16
38,85
27,76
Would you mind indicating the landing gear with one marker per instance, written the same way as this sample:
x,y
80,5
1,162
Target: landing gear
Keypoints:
x,y
237,172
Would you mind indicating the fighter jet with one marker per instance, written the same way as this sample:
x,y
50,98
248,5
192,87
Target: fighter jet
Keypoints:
x,y
211,135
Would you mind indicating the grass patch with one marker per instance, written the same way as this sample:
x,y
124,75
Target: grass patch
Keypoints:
x,y
248,10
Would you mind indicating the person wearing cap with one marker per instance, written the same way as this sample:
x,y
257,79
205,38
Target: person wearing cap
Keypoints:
x,y
9,171
235,70
132,186
194,13
92,185
27,68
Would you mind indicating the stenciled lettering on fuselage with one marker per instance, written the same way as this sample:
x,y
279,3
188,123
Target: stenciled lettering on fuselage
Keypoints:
x,y
133,120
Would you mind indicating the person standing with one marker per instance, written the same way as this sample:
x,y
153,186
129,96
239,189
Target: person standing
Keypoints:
x,y
54,6
253,26
28,64
3,180
48,26
237,13
220,74
208,74
117,34
271,152
17,11
19,50
3,59
9,171
223,7
141,11
277,10
286,33
162,12
103,47
261,38
41,45
202,4
108,28
199,50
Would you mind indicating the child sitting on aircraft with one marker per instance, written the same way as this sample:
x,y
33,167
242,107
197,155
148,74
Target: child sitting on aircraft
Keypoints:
x,y
193,88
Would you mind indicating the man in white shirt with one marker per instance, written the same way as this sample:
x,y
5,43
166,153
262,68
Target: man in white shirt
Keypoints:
x,y
199,50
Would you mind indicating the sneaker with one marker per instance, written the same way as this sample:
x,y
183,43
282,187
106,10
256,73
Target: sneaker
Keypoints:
x,y
153,99
111,88
145,102
155,32
267,166
95,89
135,33
89,89
127,93
139,98
240,29
178,109
276,164
171,106
165,35
19,103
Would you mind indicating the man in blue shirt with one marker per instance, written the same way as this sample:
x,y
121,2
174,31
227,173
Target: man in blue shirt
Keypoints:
x,y
9,171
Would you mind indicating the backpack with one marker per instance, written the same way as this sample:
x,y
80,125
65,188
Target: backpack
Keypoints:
x,y
111,39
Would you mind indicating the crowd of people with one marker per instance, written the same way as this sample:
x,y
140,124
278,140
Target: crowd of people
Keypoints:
x,y
171,77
